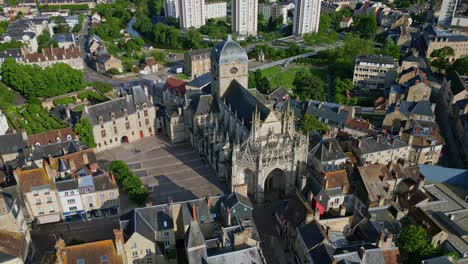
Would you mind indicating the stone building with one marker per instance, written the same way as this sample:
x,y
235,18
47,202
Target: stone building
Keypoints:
x,y
122,120
50,56
435,39
248,143
197,62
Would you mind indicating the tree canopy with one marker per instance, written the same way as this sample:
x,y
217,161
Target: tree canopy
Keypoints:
x,y
309,86
84,128
341,88
390,48
365,26
415,245
440,58
33,81
130,183
309,123
461,65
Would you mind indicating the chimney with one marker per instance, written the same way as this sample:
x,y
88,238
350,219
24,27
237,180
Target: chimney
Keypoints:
x,y
72,164
342,210
119,242
228,215
149,203
59,246
385,239
381,200
344,189
84,156
303,182
208,202
361,252
67,113
93,167
194,212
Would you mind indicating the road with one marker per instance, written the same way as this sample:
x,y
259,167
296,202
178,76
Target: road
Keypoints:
x,y
451,156
273,246
44,236
92,75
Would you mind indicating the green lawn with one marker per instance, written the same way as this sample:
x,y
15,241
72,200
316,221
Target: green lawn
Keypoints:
x,y
285,77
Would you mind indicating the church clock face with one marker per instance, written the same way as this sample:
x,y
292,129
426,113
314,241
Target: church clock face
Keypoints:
x,y
234,70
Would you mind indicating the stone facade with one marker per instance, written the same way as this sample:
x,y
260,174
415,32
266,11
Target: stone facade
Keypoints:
x,y
197,62
122,120
245,141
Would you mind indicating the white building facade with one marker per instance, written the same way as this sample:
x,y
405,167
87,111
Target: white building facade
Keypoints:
x,y
215,10
3,124
244,17
171,8
306,16
192,13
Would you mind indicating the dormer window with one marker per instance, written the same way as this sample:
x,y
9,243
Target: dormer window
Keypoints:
x,y
125,111
138,108
144,105
58,140
69,137
100,119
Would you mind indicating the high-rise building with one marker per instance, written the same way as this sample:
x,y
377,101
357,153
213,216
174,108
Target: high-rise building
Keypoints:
x,y
306,16
171,8
244,17
447,11
192,13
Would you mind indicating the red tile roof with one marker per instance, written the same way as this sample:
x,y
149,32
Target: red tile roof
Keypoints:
x,y
51,136
32,178
175,86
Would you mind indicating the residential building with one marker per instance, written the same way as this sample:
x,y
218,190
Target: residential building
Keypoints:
x,y
14,247
326,155
99,193
425,144
104,251
244,16
26,31
39,195
357,127
333,115
51,56
105,63
380,150
122,120
11,213
65,40
276,10
191,14
70,199
149,66
447,12
10,144
16,54
374,71
435,38
215,10
171,8
91,4
329,7
52,137
197,62
346,22
306,16
401,116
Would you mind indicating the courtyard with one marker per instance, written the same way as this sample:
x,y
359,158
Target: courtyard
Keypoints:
x,y
171,172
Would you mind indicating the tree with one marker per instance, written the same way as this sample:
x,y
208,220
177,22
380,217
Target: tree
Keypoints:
x,y
84,128
308,86
130,183
341,90
309,123
325,22
415,245
365,26
390,48
194,39
461,65
440,58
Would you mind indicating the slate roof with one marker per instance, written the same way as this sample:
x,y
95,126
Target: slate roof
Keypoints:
x,y
66,185
279,93
248,255
11,53
244,103
104,182
327,149
201,104
372,144
312,234
135,97
12,143
195,244
380,59
55,150
228,51
148,220
327,113
235,198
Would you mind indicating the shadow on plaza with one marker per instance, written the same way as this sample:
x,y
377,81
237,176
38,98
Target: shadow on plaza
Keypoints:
x,y
167,191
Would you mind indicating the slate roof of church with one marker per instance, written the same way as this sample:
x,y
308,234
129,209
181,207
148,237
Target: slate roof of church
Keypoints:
x,y
228,51
244,103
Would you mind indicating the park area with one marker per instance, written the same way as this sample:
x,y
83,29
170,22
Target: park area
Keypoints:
x,y
32,118
279,76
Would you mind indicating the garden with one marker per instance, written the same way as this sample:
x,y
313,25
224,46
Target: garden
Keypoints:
x,y
32,118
